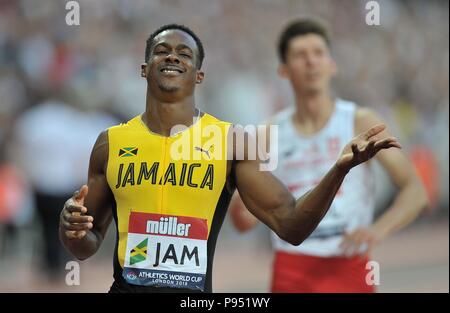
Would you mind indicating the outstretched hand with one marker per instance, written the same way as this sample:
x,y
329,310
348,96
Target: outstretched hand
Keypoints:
x,y
365,146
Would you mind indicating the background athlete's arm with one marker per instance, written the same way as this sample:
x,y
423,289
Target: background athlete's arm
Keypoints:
x,y
86,216
410,199
241,218
294,220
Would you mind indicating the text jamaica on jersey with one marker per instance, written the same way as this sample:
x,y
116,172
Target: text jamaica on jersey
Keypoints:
x,y
195,175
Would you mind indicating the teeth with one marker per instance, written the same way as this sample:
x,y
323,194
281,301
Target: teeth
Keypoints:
x,y
170,71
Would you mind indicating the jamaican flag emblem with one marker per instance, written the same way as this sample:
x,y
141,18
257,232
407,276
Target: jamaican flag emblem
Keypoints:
x,y
127,152
139,253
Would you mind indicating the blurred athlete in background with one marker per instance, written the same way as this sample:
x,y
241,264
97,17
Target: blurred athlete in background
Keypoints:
x,y
311,135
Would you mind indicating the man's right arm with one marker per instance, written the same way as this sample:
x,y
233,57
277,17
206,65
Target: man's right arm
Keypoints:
x,y
86,216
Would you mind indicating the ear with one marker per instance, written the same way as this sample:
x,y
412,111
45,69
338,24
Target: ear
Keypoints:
x,y
200,77
282,70
144,70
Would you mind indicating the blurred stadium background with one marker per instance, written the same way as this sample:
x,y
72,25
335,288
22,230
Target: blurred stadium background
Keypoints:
x,y
61,85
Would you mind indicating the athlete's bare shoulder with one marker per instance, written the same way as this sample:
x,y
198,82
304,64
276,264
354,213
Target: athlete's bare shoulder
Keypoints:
x,y
99,154
102,140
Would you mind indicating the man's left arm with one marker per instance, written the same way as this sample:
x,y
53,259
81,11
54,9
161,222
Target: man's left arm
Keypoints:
x,y
410,199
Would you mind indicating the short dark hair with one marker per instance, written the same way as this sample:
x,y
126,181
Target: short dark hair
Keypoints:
x,y
201,51
298,28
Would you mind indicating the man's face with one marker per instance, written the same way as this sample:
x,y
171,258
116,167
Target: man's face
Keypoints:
x,y
308,64
172,64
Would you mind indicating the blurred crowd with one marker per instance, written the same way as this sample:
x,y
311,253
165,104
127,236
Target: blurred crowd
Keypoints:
x,y
61,85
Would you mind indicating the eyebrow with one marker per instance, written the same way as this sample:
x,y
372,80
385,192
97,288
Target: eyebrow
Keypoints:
x,y
165,45
183,46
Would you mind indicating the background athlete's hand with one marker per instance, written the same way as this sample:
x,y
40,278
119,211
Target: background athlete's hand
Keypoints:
x,y
360,241
72,219
365,146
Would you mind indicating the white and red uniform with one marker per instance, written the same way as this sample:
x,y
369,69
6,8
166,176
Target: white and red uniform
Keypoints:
x,y
318,265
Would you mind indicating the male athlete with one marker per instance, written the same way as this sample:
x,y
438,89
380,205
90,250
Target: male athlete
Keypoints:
x,y
168,208
311,135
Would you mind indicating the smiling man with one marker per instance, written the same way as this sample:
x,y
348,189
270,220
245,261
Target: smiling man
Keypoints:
x,y
168,210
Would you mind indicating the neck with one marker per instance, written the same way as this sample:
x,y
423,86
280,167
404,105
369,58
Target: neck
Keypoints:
x,y
312,111
161,116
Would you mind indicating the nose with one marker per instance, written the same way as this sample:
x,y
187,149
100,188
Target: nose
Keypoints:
x,y
311,63
172,58
312,60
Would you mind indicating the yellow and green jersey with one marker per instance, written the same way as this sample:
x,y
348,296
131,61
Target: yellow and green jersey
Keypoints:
x,y
170,201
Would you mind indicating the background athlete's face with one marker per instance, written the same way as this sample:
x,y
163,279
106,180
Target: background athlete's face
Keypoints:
x,y
308,65
172,65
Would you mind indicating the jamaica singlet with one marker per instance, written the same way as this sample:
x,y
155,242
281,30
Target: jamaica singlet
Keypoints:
x,y
170,201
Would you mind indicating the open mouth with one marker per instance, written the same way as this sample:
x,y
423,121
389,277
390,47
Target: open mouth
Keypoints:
x,y
171,70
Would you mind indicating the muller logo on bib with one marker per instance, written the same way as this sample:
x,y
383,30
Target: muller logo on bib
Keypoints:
x,y
175,250
168,226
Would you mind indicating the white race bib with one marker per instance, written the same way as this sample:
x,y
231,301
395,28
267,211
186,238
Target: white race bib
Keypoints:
x,y
166,251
